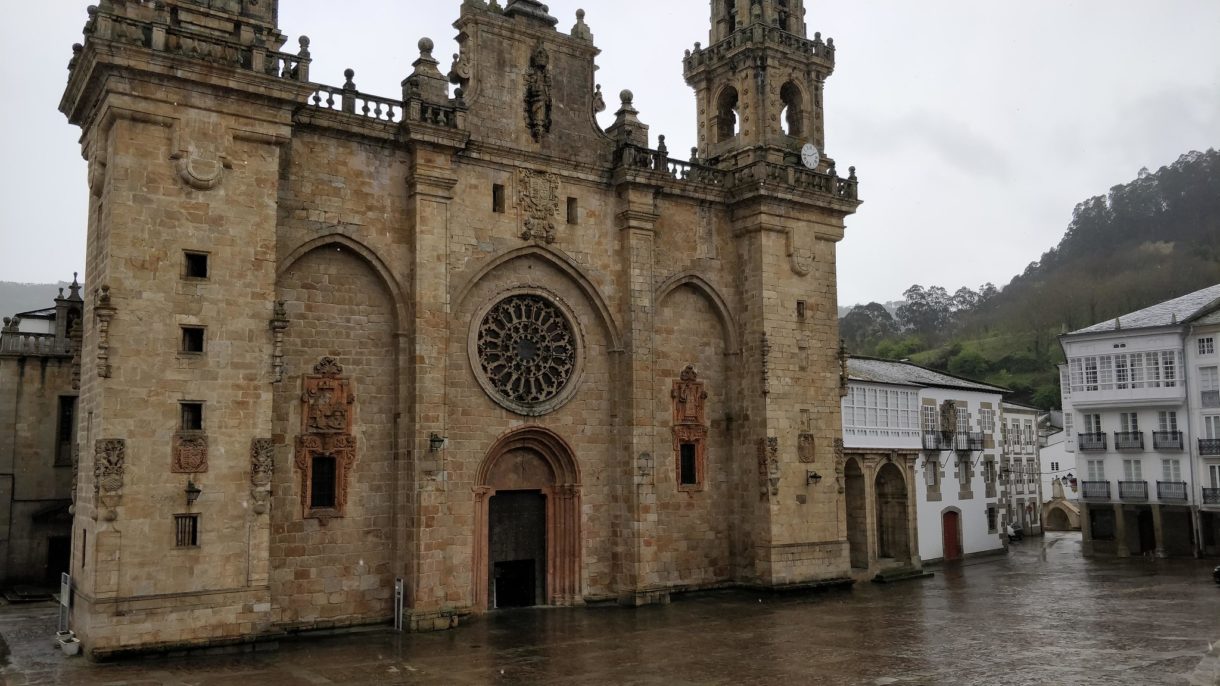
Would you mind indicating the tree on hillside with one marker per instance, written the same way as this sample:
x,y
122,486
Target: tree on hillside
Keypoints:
x,y
927,312
866,325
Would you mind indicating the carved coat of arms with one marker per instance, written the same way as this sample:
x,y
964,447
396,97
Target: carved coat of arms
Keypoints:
x,y
539,194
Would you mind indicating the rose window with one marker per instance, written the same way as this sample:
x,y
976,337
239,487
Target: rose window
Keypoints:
x,y
526,350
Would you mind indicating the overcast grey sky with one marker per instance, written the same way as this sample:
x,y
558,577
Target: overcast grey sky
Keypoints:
x,y
976,125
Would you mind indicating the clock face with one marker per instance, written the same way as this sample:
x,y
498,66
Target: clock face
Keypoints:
x,y
810,156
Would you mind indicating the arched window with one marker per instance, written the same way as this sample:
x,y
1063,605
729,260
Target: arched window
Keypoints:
x,y
726,114
792,118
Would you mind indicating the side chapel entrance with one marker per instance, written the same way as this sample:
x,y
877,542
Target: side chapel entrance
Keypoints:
x,y
527,523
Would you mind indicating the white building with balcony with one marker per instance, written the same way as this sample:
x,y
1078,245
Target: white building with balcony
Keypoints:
x,y
931,441
1133,391
1020,467
1203,399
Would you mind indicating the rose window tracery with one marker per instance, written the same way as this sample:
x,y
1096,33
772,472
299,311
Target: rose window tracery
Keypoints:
x,y
526,350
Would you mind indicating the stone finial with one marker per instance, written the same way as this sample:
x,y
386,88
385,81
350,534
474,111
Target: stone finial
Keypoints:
x,y
303,41
74,288
349,84
581,30
426,81
627,127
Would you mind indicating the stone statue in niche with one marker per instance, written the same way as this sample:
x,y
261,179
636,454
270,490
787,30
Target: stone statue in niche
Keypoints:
x,y
538,94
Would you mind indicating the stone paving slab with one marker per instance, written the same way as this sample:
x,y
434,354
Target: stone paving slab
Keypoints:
x,y
1040,615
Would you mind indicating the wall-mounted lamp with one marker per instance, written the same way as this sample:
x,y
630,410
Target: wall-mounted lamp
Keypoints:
x,y
812,478
192,492
436,442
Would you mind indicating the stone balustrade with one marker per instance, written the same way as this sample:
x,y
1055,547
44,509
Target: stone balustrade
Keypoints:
x,y
22,343
763,34
159,32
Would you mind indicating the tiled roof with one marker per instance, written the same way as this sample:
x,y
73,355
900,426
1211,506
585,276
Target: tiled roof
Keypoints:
x,y
1168,313
907,374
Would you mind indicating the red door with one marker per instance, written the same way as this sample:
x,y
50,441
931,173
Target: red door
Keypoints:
x,y
952,535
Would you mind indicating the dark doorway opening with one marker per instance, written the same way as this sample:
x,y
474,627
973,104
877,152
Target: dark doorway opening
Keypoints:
x,y
515,583
1147,532
517,548
59,557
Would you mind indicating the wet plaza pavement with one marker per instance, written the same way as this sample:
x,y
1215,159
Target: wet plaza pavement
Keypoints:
x,y
1040,615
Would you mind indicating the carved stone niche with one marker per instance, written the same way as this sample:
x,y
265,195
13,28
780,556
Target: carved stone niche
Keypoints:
x,y
190,452
326,441
690,427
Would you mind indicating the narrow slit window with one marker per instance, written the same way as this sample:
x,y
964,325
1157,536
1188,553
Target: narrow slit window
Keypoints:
x,y
192,416
196,265
497,198
66,431
322,488
573,211
800,309
192,339
84,545
186,531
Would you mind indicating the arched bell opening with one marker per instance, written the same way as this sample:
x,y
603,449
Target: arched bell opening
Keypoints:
x,y
726,114
792,116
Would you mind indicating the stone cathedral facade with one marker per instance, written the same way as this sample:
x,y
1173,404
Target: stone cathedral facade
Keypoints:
x,y
459,336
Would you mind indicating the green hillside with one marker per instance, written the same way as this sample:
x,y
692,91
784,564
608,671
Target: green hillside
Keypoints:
x,y
1149,240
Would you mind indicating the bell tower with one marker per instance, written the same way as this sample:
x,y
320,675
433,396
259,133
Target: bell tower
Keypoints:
x,y
759,84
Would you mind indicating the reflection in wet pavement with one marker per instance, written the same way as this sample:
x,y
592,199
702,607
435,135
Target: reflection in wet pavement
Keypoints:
x,y
1041,615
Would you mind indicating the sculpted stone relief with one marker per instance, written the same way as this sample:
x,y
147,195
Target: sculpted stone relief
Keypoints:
x,y
539,195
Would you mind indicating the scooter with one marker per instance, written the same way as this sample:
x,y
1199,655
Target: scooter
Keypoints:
x,y
1216,574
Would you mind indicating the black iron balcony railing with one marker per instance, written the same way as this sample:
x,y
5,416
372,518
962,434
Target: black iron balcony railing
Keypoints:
x,y
1129,440
1174,491
934,440
1133,490
1167,440
1095,490
1091,442
1211,496
1209,446
974,440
